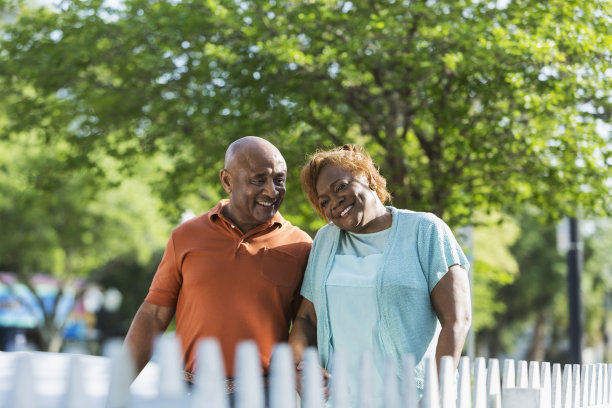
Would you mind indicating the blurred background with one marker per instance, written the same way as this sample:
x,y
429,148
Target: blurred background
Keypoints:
x,y
495,115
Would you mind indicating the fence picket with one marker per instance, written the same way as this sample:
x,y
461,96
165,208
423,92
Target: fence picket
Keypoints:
x,y
522,375
431,396
210,380
556,391
390,390
584,386
534,374
448,388
365,399
339,385
312,380
479,394
75,396
464,399
282,378
545,385
249,383
574,386
509,374
410,398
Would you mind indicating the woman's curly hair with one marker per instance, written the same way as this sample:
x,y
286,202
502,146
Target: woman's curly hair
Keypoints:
x,y
349,157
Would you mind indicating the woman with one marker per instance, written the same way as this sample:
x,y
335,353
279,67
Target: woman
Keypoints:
x,y
378,278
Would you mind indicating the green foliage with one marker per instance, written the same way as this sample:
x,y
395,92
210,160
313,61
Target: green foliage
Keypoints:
x,y
494,267
468,108
539,288
67,221
465,106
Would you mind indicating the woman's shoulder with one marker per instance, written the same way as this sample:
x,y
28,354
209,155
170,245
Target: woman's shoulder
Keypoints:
x,y
419,217
328,231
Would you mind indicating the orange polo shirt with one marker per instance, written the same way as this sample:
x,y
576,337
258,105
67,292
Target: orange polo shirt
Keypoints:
x,y
230,285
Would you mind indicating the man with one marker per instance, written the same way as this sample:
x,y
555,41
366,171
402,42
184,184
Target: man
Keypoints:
x,y
233,273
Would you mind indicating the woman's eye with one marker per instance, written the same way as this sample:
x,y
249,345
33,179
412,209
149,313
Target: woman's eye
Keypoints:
x,y
323,203
341,186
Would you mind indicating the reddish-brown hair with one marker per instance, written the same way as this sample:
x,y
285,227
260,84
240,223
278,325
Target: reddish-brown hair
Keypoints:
x,y
348,157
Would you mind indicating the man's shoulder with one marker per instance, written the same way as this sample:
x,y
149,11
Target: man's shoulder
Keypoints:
x,y
197,224
294,232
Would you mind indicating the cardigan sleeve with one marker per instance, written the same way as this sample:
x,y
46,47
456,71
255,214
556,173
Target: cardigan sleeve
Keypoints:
x,y
438,249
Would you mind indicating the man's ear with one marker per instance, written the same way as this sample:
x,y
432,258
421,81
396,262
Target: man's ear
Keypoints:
x,y
226,180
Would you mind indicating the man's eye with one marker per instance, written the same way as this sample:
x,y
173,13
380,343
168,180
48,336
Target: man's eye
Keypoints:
x,y
280,181
258,182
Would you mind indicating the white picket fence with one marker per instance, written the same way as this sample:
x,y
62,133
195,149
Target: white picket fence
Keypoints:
x,y
50,380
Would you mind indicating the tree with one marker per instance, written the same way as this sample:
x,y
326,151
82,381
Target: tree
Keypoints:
x,y
66,223
465,105
468,106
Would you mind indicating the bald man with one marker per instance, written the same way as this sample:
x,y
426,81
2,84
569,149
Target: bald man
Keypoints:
x,y
233,273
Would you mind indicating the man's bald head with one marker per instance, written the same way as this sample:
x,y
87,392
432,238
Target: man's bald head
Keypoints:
x,y
254,177
248,146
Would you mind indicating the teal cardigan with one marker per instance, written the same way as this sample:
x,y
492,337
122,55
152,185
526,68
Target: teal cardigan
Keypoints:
x,y
419,252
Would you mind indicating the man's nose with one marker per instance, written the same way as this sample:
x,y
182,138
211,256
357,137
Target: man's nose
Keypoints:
x,y
270,188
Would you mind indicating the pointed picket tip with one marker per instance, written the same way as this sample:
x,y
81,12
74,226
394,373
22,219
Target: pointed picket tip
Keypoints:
x,y
282,378
584,385
365,397
23,395
493,384
339,393
312,380
410,397
568,387
431,396
122,373
464,399
557,387
534,375
545,385
75,395
448,387
576,386
509,374
209,389
171,369
249,381
522,374
479,394
391,398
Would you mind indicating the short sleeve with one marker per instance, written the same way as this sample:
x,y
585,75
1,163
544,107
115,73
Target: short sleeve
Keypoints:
x,y
166,285
438,249
307,283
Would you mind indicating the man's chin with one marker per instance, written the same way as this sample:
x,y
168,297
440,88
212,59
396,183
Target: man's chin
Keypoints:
x,y
265,214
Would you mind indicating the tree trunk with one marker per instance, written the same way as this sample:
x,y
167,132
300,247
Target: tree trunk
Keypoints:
x,y
538,348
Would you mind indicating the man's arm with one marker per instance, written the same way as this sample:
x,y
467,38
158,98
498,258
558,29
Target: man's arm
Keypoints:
x,y
149,322
453,305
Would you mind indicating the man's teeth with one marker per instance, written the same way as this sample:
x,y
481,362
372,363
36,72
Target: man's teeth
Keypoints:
x,y
266,203
347,209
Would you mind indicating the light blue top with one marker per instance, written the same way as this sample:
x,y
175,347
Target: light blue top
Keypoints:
x,y
418,253
353,312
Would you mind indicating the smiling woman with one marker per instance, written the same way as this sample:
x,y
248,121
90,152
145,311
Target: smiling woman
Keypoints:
x,y
379,279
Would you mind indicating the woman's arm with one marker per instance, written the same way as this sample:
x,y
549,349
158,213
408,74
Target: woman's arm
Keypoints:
x,y
304,330
452,302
